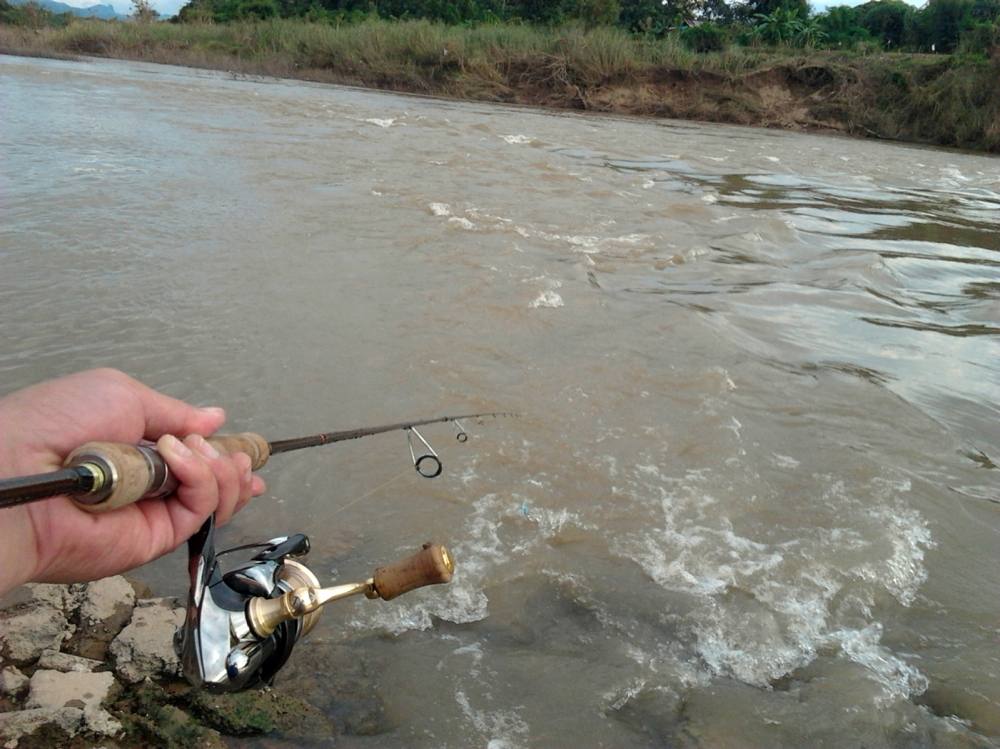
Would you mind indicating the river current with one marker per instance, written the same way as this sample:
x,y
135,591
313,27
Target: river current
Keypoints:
x,y
752,497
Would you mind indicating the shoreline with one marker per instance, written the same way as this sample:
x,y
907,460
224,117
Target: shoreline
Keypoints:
x,y
905,98
95,664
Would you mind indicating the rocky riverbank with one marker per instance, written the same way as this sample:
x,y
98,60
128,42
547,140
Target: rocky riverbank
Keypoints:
x,y
95,664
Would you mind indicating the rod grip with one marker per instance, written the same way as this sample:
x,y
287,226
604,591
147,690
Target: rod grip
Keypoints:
x,y
253,445
429,566
131,472
135,472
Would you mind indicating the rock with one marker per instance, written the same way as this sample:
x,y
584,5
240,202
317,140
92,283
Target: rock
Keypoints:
x,y
24,722
141,589
55,689
256,712
175,729
151,720
105,598
56,661
41,594
25,633
145,648
105,608
653,712
100,722
351,701
12,682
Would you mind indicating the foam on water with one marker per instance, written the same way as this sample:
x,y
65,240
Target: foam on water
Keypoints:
x,y
499,533
766,608
502,729
548,299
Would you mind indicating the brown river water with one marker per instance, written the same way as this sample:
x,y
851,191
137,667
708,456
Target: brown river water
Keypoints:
x,y
752,499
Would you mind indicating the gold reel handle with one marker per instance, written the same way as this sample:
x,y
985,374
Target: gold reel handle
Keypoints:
x,y
429,566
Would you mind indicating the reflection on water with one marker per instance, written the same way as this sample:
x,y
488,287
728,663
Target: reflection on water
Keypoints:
x,y
753,497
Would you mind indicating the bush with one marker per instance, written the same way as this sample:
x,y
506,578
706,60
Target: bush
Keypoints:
x,y
706,37
982,39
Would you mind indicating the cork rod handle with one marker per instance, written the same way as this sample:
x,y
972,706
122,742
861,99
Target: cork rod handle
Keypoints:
x,y
134,472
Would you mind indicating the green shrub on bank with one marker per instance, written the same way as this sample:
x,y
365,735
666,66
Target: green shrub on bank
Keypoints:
x,y
982,40
706,37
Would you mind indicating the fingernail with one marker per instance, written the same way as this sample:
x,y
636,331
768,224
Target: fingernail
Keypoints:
x,y
213,411
200,444
175,446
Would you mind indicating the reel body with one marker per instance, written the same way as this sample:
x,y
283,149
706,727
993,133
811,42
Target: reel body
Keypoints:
x,y
218,647
242,625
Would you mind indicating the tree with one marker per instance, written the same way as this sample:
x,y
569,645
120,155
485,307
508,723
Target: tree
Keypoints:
x,y
779,28
593,12
644,16
841,27
719,11
942,22
143,11
753,8
886,20
986,10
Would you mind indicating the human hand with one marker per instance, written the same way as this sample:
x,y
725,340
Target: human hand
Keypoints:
x,y
54,540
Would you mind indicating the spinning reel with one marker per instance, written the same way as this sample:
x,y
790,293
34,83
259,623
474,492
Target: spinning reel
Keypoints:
x,y
242,624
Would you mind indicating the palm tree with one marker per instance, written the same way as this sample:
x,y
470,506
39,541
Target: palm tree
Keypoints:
x,y
779,27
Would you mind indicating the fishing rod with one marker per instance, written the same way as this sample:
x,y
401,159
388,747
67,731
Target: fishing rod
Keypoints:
x,y
244,619
103,476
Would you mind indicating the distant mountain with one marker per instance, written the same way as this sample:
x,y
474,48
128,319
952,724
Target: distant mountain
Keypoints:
x,y
107,12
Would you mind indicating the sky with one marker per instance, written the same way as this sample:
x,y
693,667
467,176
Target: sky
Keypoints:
x,y
819,6
124,7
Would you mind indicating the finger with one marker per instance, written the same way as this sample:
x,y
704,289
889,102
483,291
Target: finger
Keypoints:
x,y
166,415
226,470
198,492
246,481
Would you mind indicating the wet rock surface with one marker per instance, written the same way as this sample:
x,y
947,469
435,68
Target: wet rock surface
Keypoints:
x,y
56,661
69,689
25,633
16,725
145,647
342,684
12,682
105,608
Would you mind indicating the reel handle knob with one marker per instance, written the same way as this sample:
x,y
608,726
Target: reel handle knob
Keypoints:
x,y
431,565
127,473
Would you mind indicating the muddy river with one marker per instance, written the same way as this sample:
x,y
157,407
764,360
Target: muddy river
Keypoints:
x,y
752,499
